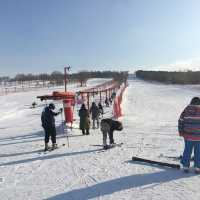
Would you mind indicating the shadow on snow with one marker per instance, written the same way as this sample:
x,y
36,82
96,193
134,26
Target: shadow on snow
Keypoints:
x,y
38,136
47,157
120,184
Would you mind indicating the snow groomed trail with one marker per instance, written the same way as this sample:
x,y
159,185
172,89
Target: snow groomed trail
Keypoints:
x,y
83,171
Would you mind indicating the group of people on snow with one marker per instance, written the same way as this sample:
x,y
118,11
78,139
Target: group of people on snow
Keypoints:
x,y
188,127
107,125
84,115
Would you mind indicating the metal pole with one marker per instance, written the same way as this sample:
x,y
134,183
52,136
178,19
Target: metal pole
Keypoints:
x,y
88,100
64,129
65,77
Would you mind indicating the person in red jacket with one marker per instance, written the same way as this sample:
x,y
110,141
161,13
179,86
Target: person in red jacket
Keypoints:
x,y
189,129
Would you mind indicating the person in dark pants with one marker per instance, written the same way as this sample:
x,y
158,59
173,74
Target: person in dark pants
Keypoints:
x,y
189,129
100,108
48,123
108,126
84,120
107,102
94,110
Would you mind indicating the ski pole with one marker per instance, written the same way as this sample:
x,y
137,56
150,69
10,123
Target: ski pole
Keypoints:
x,y
64,129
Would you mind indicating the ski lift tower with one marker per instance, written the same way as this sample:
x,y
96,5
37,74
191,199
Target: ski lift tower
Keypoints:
x,y
65,76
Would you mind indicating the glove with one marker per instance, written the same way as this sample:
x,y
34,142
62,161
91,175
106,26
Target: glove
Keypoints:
x,y
61,110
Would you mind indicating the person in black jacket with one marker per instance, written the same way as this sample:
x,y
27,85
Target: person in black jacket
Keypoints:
x,y
84,120
107,102
94,110
100,108
48,123
108,126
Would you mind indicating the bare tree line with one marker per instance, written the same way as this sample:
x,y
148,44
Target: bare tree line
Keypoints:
x,y
57,77
189,77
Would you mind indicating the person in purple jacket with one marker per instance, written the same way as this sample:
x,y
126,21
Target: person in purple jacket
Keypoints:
x,y
189,129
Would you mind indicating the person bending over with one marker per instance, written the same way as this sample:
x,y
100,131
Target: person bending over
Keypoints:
x,y
108,126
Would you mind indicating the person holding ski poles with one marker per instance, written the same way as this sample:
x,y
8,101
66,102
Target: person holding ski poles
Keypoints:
x,y
84,120
189,129
108,126
48,123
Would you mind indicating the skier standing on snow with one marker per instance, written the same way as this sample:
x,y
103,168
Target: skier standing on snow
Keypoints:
x,y
94,110
100,108
84,120
113,95
107,102
48,123
189,129
108,126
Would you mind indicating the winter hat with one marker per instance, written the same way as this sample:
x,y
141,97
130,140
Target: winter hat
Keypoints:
x,y
195,101
51,106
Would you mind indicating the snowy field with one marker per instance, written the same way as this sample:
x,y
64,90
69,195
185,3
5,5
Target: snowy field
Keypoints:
x,y
82,171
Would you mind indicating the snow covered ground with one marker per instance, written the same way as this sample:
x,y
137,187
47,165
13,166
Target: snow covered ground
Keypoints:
x,y
82,171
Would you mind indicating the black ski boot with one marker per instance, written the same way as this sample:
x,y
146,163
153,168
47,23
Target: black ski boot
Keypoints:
x,y
54,146
186,169
105,147
46,148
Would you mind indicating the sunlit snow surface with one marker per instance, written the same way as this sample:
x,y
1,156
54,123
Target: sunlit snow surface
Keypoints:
x,y
82,171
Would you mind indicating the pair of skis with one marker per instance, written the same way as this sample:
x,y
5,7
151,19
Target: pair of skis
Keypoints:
x,y
108,146
50,149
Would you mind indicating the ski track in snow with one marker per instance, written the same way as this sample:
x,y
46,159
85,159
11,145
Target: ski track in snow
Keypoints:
x,y
83,171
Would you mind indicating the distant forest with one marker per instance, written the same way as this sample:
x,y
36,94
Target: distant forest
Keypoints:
x,y
57,77
189,77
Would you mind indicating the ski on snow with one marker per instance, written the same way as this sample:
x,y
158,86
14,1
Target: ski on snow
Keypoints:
x,y
109,146
47,151
164,164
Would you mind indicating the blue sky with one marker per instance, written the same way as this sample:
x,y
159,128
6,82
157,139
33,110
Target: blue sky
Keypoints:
x,y
46,35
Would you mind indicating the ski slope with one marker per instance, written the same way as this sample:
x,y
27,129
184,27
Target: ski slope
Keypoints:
x,y
82,171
